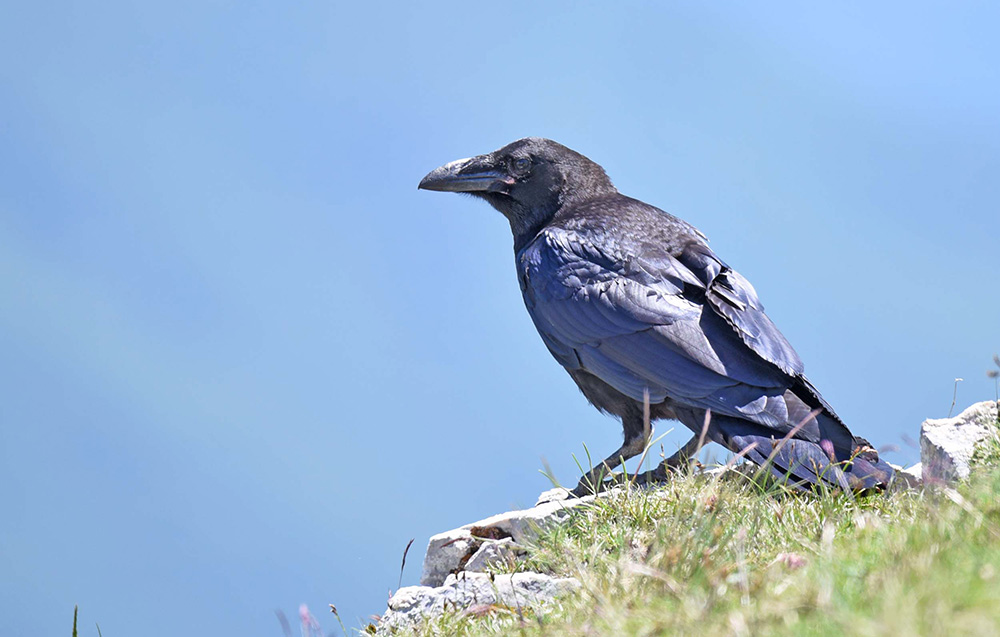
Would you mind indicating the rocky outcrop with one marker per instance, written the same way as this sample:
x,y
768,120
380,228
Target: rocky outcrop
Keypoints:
x,y
494,554
947,445
474,593
456,569
455,573
453,551
446,553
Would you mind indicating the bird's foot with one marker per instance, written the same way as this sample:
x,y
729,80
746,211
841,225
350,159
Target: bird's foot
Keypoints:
x,y
661,474
594,482
664,472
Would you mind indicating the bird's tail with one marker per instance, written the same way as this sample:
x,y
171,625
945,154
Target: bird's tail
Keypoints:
x,y
803,462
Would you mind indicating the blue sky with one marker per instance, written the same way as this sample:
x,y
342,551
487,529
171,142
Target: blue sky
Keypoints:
x,y
243,361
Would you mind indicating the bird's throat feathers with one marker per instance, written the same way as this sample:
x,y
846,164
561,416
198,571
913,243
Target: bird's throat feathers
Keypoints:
x,y
536,202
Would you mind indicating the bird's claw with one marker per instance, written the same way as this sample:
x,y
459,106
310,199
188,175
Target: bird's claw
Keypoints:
x,y
593,483
589,486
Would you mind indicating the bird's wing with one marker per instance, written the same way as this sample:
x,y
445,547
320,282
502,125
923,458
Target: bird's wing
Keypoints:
x,y
651,323
733,298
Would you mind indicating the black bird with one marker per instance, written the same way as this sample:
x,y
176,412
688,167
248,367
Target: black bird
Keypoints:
x,y
636,306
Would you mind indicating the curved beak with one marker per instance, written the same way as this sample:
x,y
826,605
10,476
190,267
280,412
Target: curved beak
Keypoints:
x,y
475,174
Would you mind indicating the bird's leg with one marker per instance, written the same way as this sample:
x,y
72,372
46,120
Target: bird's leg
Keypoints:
x,y
637,432
681,458
593,480
685,453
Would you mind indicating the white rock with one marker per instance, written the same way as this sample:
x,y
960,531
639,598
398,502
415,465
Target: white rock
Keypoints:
x,y
446,552
915,473
525,524
948,444
555,494
906,477
411,605
492,553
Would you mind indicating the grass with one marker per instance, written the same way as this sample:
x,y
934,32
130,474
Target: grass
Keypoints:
x,y
988,455
735,556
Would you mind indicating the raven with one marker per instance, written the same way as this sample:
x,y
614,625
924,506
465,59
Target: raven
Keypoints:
x,y
647,319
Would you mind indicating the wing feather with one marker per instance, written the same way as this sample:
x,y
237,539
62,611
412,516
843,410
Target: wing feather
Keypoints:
x,y
645,326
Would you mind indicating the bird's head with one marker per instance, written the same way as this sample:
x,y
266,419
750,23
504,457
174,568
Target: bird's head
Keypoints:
x,y
527,180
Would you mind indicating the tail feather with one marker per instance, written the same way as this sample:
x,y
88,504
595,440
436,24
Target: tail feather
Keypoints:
x,y
806,462
794,460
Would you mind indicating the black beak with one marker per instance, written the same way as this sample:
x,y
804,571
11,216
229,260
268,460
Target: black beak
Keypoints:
x,y
475,174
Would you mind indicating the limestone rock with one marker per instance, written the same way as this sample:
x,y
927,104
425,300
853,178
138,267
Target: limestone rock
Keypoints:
x,y
906,477
447,552
555,494
493,553
914,474
472,591
524,524
948,444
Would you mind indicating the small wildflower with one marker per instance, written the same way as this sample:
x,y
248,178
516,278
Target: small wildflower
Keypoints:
x,y
792,561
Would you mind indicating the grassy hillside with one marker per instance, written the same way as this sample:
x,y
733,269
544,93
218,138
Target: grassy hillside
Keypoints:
x,y
708,556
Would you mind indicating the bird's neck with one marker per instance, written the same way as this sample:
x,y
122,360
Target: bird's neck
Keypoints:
x,y
526,229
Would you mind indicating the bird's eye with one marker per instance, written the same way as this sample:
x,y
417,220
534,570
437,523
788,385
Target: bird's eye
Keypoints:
x,y
522,164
